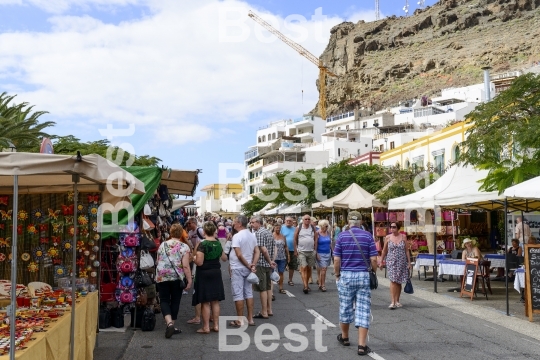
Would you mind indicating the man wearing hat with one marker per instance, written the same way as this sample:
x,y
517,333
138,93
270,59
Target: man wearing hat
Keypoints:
x,y
354,254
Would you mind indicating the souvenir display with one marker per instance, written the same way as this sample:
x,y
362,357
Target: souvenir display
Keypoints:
x,y
37,214
6,215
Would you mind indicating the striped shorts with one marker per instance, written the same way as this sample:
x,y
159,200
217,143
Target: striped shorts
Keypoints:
x,y
353,287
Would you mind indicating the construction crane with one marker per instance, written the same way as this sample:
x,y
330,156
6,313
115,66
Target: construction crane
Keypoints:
x,y
323,70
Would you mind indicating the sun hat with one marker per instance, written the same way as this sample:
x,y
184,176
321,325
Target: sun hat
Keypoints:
x,y
467,240
354,215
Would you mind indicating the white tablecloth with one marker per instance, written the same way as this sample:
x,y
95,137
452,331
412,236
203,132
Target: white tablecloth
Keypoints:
x,y
495,263
452,269
423,262
519,282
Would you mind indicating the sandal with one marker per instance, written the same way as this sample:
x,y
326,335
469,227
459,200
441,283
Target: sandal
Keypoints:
x,y
194,322
215,329
281,291
363,350
169,331
202,331
323,288
273,298
177,331
306,290
260,316
290,283
234,324
343,341
398,305
392,307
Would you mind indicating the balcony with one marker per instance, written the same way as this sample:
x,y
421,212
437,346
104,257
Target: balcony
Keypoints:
x,y
340,116
254,179
255,165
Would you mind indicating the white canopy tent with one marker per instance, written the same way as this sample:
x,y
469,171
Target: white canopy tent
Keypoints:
x,y
276,210
354,197
264,209
34,173
177,204
295,209
524,196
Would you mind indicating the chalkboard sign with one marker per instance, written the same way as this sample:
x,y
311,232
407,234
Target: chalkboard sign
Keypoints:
x,y
532,280
468,284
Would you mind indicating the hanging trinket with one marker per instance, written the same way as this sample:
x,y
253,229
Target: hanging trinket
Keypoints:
x,y
43,227
82,220
54,214
25,257
66,245
80,208
53,252
4,200
93,210
68,220
6,215
33,267
93,198
37,214
31,229
67,210
59,271
44,240
38,253
5,242
56,240
58,227
22,215
70,196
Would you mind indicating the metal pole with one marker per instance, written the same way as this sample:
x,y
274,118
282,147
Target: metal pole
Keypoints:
x,y
373,222
435,253
13,315
74,268
523,227
506,254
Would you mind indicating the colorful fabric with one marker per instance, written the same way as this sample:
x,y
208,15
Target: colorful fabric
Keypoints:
x,y
175,249
354,286
347,250
396,262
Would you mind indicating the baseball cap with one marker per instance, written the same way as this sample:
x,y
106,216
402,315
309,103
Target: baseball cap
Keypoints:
x,y
354,215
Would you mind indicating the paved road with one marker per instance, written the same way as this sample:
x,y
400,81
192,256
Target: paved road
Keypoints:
x,y
442,328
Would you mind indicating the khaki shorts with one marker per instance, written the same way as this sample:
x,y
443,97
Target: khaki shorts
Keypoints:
x,y
265,284
293,263
306,258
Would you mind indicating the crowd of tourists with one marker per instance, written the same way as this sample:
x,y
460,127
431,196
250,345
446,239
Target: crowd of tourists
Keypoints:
x,y
259,250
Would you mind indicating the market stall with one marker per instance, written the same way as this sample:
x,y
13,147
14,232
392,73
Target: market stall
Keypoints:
x,y
55,242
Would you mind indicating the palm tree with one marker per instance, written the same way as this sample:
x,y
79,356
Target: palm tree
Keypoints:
x,y
20,127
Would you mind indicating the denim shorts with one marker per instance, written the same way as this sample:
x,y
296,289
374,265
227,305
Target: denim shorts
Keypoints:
x,y
281,265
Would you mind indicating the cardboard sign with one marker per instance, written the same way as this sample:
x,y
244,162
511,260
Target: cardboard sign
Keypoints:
x,y
532,280
468,285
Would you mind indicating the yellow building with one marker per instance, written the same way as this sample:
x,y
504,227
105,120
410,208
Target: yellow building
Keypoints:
x,y
220,198
439,149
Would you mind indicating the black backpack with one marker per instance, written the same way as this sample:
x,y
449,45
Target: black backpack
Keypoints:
x,y
148,320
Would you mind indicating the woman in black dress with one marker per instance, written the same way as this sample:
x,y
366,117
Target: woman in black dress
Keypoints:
x,y
208,287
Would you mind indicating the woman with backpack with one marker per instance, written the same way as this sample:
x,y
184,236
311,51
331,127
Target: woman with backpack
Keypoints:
x,y
173,268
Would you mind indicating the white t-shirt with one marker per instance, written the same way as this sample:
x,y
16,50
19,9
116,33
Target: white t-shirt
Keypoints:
x,y
246,241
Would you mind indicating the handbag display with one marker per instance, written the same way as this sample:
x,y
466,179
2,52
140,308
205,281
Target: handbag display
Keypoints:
x,y
148,322
142,298
117,318
142,279
127,261
147,223
106,288
392,217
104,318
380,216
380,231
373,282
146,261
126,296
147,244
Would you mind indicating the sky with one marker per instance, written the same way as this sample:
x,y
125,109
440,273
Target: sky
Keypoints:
x,y
195,78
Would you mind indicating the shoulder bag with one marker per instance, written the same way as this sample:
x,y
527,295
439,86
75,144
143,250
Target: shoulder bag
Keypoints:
x,y
183,282
373,282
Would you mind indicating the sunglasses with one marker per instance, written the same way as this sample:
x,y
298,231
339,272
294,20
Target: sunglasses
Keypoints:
x,y
393,227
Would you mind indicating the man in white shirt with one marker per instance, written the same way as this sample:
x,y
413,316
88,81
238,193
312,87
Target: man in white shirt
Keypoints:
x,y
243,260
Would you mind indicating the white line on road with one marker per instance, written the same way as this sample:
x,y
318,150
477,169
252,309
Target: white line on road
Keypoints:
x,y
289,294
375,356
320,317
491,327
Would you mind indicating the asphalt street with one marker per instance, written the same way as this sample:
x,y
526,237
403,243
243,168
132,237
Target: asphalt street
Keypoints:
x,y
429,326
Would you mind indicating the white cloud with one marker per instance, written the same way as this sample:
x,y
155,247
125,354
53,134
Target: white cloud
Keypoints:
x,y
61,6
169,64
366,15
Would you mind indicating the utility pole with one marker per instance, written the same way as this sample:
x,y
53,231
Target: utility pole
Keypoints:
x,y
377,10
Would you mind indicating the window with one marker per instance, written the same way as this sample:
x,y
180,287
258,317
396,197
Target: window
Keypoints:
x,y
364,124
456,153
392,145
338,152
273,136
347,127
259,139
381,147
439,164
264,138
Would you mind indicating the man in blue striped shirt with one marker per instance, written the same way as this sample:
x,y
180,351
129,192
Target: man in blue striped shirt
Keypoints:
x,y
352,273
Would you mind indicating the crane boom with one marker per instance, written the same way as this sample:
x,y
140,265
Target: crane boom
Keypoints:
x,y
323,70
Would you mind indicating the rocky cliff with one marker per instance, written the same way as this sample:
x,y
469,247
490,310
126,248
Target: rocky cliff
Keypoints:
x,y
380,63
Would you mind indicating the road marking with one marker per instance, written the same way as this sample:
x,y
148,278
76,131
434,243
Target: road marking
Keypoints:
x,y
414,300
376,356
320,317
491,327
289,294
